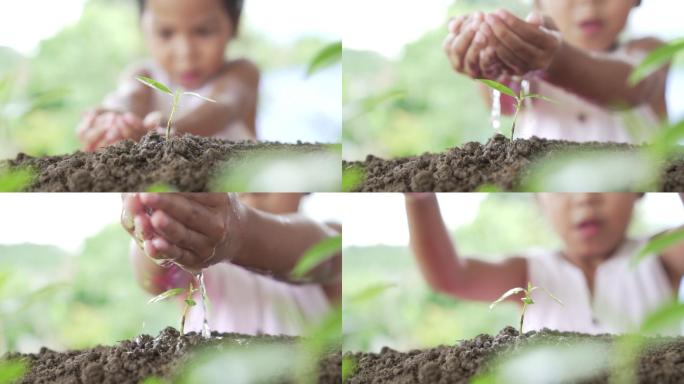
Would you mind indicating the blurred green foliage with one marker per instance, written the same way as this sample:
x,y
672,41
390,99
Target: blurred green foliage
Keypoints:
x,y
43,96
408,314
50,297
438,109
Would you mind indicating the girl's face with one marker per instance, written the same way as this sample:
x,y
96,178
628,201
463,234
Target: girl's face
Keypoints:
x,y
592,225
589,24
187,38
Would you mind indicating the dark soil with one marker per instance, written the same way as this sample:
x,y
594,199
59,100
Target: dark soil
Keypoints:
x,y
661,362
187,163
135,360
500,162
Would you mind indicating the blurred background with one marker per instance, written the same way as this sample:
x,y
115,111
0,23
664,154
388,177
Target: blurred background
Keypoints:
x,y
400,95
65,278
385,300
59,58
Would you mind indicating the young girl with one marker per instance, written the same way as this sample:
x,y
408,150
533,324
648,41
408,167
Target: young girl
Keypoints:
x,y
246,256
187,41
572,56
591,274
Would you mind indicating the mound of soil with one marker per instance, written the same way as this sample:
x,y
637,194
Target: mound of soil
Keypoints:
x,y
135,360
658,363
500,162
188,163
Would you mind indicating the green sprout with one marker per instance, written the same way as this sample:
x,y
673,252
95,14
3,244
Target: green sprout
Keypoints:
x,y
189,302
527,300
519,98
176,97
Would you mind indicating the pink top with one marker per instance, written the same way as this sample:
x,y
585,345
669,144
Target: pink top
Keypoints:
x,y
578,119
246,302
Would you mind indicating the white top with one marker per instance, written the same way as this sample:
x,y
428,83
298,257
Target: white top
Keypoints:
x,y
622,295
246,302
162,101
575,118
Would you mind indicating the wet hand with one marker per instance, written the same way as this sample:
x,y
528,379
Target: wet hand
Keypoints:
x,y
464,44
191,230
523,46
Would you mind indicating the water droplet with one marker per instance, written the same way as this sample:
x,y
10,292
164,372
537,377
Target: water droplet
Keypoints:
x,y
206,332
496,111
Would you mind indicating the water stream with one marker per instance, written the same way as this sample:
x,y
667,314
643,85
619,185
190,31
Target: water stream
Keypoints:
x,y
206,332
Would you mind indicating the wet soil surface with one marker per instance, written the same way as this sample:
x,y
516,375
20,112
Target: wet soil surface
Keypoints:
x,y
661,362
187,163
132,361
500,162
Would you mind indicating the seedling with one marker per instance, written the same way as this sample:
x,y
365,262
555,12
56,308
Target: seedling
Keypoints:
x,y
527,300
189,302
176,97
519,98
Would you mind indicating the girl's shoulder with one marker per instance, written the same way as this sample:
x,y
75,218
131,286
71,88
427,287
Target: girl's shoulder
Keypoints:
x,y
643,45
242,68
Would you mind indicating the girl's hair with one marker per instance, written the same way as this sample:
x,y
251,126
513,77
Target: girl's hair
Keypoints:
x,y
233,9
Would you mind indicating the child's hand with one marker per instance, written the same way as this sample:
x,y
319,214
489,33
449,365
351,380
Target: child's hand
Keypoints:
x,y
464,44
192,230
101,127
523,46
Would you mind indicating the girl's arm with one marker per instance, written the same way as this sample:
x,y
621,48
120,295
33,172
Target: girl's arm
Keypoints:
x,y
236,93
673,259
275,243
442,267
603,78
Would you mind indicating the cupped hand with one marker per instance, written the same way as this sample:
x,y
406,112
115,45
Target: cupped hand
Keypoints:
x,y
191,230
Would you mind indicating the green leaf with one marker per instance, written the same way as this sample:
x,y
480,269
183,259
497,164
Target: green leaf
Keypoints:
x,y
541,97
199,96
349,366
153,380
499,87
154,84
488,188
509,293
160,188
667,140
190,302
165,295
15,180
657,58
371,292
352,177
658,244
665,317
551,295
317,254
12,371
326,57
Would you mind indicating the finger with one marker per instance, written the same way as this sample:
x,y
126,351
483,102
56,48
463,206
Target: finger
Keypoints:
x,y
85,124
516,65
472,58
178,234
527,32
455,24
168,251
459,47
193,215
93,138
152,120
130,126
209,199
509,38
446,44
144,229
